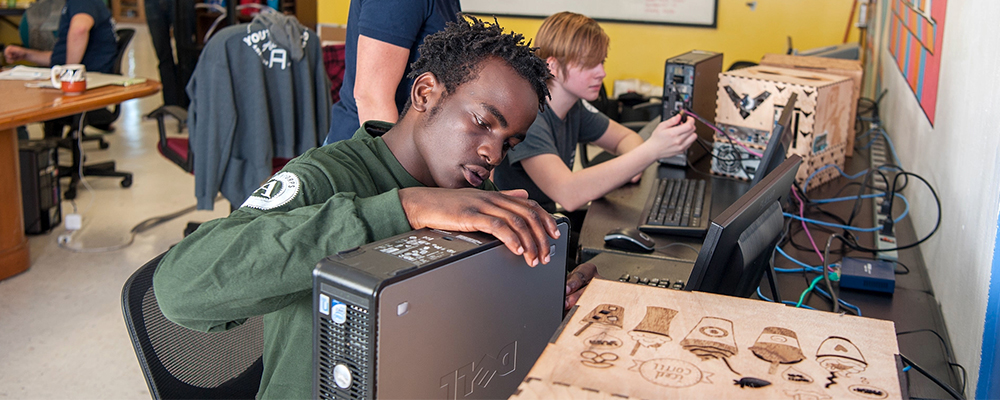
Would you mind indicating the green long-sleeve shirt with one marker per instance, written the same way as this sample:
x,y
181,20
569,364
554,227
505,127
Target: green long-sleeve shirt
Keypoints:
x,y
259,259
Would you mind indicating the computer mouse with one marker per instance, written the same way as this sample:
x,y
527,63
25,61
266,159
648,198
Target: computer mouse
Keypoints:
x,y
629,239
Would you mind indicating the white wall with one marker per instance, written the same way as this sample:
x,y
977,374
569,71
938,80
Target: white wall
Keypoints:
x,y
959,157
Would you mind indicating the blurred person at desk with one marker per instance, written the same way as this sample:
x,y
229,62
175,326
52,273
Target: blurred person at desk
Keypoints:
x,y
575,48
86,36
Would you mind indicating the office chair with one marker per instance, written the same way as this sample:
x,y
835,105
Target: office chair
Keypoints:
x,y
740,65
99,117
179,363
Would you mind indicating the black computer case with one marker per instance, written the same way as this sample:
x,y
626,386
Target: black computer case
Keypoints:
x,y
354,302
39,186
690,81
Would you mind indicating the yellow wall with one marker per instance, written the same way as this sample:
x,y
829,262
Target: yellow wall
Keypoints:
x,y
639,50
9,34
332,11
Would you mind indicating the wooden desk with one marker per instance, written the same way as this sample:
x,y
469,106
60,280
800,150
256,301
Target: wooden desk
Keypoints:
x,y
912,307
20,105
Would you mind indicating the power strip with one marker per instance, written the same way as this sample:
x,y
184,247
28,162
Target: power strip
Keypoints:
x,y
878,153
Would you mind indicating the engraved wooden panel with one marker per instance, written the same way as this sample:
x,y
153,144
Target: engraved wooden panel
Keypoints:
x,y
847,68
832,155
709,347
822,104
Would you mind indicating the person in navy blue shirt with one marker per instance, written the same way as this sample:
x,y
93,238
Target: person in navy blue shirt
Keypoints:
x,y
86,36
382,41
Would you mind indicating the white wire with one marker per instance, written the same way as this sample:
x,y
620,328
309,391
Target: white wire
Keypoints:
x,y
79,145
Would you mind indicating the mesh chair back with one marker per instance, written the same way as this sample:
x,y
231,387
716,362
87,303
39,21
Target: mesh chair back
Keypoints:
x,y
124,38
179,363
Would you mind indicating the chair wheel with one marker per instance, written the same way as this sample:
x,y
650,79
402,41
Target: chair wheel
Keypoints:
x,y
103,145
127,181
70,193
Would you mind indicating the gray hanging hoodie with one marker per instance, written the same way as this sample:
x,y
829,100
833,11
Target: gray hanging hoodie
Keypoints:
x,y
258,92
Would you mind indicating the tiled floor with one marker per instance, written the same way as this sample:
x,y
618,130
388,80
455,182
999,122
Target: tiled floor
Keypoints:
x,y
62,334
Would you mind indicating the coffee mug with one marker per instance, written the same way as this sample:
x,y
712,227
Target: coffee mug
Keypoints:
x,y
70,78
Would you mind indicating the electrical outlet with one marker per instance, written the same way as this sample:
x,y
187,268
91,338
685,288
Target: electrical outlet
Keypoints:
x,y
884,241
74,222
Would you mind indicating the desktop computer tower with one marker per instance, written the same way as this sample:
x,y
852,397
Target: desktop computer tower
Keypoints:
x,y
432,314
39,186
690,81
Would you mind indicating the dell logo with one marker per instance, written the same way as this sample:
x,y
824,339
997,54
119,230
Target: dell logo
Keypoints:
x,y
463,381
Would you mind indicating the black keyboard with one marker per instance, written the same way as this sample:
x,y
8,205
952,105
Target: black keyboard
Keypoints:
x,y
678,207
657,282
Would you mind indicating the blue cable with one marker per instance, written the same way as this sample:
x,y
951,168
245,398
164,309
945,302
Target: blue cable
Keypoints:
x,y
892,147
844,174
870,142
836,199
852,228
868,132
805,267
790,303
841,301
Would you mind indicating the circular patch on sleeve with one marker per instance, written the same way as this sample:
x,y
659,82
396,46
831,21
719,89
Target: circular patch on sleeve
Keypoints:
x,y
589,107
276,192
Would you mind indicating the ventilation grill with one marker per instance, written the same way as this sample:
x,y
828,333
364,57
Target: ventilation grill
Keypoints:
x,y
347,344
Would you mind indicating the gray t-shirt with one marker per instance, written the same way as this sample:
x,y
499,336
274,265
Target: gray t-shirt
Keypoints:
x,y
550,135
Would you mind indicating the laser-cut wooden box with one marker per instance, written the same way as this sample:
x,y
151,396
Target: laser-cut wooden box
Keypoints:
x,y
751,99
629,341
847,68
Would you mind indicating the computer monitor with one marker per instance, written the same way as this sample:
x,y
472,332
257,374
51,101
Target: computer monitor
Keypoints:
x,y
737,247
781,137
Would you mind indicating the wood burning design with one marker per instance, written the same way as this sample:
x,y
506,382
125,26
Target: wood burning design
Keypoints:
x,y
670,372
751,382
777,346
868,391
793,374
594,359
603,341
654,330
607,314
712,338
799,394
841,357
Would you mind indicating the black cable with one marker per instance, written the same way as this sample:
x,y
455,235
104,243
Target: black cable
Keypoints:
x,y
937,224
947,352
965,376
866,185
807,247
905,268
861,192
824,296
951,391
739,156
709,174
826,275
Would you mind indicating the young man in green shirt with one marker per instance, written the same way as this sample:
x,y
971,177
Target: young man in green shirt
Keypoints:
x,y
476,92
